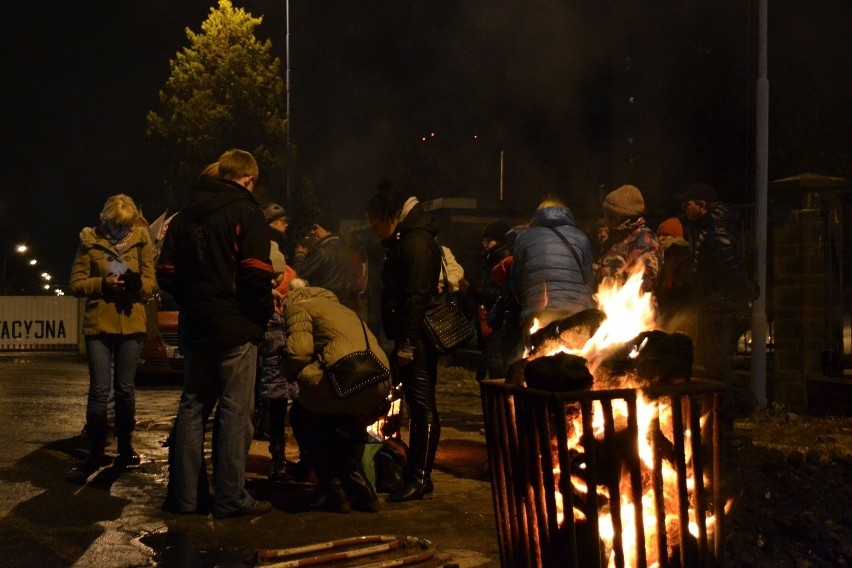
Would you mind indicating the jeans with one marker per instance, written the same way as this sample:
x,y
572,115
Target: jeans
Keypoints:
x,y
212,377
121,352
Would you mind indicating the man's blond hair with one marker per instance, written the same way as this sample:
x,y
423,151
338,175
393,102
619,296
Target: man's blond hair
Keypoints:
x,y
236,164
551,201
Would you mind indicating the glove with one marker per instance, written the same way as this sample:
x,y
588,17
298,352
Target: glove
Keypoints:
x,y
132,281
405,353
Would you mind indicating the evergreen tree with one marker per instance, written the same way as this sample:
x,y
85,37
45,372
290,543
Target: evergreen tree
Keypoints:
x,y
224,91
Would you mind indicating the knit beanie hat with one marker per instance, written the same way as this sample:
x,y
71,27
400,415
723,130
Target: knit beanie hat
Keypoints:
x,y
671,227
496,230
328,221
626,201
273,211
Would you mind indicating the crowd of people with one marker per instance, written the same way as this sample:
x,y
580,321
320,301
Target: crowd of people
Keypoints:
x,y
267,331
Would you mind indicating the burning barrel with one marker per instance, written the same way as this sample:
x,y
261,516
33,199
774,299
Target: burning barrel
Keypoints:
x,y
619,477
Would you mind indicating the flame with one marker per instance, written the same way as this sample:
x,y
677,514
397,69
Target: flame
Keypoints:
x,y
629,312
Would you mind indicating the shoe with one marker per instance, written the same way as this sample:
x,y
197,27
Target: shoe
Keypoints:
x,y
127,456
331,498
418,487
361,493
254,509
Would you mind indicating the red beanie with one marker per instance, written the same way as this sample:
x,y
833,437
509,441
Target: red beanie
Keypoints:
x,y
671,227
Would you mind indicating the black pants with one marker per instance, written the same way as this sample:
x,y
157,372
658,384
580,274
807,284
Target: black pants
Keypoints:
x,y
326,440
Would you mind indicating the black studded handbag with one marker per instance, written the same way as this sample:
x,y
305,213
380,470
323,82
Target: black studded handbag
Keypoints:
x,y
356,371
447,327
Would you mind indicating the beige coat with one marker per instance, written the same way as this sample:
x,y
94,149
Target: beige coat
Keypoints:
x,y
318,324
107,311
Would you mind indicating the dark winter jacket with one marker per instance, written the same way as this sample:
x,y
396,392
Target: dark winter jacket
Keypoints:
x,y
215,261
489,290
544,276
321,329
410,275
329,265
630,244
720,274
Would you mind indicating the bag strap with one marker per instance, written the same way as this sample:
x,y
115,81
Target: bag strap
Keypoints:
x,y
364,329
444,268
573,252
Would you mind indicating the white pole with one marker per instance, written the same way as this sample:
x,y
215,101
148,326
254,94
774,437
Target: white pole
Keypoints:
x,y
761,180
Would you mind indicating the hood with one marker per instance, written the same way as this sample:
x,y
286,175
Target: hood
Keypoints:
x,y
91,236
555,216
417,218
310,293
210,194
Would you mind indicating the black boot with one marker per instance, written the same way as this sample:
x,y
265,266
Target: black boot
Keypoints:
x,y
96,432
422,449
260,420
127,456
125,424
361,493
277,440
331,497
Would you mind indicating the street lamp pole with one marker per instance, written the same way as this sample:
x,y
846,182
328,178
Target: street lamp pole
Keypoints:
x,y
287,99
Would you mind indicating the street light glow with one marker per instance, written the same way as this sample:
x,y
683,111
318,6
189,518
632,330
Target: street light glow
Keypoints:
x,y
20,249
45,276
33,262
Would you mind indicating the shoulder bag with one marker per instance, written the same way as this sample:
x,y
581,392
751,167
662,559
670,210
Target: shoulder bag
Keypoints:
x,y
573,253
447,327
356,371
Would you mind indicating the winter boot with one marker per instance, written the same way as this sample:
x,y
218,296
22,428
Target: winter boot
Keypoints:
x,y
127,456
277,439
332,497
422,450
96,432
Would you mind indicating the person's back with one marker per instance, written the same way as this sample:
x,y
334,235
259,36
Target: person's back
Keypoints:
x,y
218,248
328,264
546,278
215,261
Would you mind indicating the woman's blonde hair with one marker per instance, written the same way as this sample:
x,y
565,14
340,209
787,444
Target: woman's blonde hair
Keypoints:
x,y
119,210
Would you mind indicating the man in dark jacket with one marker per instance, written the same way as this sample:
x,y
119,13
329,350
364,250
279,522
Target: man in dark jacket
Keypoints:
x,y
723,292
215,261
328,263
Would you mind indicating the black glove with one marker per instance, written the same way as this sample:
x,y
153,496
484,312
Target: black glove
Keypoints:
x,y
132,281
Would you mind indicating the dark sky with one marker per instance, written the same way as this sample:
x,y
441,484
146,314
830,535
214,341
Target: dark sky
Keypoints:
x,y
581,96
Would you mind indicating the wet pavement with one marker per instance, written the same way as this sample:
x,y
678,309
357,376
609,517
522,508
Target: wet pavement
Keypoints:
x,y
50,517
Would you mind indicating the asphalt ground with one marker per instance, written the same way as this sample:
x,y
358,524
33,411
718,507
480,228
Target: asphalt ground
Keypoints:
x,y
51,517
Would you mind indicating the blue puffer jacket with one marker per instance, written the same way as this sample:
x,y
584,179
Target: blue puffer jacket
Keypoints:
x,y
545,277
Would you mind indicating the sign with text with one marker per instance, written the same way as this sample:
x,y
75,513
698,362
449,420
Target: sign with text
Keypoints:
x,y
38,323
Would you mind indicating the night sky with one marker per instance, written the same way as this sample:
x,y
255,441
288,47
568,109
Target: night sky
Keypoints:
x,y
581,96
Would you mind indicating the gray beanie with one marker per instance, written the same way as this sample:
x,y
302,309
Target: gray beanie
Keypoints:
x,y
626,201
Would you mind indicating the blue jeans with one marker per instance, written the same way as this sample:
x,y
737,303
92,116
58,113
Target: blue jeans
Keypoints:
x,y
103,352
212,377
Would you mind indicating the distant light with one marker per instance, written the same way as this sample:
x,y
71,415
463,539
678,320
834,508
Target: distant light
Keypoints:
x,y
423,139
432,135
33,262
47,286
59,292
45,276
21,248
476,136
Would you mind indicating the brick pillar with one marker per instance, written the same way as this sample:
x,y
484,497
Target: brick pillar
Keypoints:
x,y
804,288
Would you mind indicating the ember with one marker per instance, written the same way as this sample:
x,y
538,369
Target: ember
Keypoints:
x,y
603,450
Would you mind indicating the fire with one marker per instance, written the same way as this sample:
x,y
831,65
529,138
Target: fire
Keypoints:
x,y
629,312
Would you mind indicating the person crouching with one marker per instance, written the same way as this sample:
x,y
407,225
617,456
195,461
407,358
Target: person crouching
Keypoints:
x,y
321,331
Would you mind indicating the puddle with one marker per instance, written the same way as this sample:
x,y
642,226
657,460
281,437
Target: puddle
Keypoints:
x,y
175,549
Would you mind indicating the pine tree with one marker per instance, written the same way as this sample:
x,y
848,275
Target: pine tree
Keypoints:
x,y
224,91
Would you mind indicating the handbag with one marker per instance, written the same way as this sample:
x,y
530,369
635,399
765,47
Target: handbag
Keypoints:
x,y
356,371
447,327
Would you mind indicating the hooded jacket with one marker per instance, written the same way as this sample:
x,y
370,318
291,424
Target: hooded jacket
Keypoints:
x,y
215,261
410,275
321,329
106,311
544,276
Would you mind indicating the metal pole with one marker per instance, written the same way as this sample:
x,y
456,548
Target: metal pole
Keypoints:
x,y
761,179
287,98
501,175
